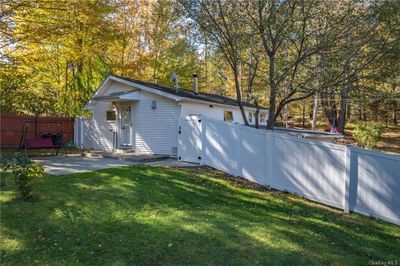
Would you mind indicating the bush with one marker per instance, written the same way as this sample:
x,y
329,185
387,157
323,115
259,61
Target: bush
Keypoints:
x,y
367,134
6,162
25,171
70,145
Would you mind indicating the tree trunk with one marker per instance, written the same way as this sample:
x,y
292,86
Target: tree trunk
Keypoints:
x,y
239,97
240,77
205,61
343,108
249,85
272,95
329,107
394,107
155,66
342,115
304,114
315,112
256,114
348,115
285,111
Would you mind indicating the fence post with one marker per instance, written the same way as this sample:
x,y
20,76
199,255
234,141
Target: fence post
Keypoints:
x,y
36,126
76,130
203,140
347,177
238,157
81,132
268,158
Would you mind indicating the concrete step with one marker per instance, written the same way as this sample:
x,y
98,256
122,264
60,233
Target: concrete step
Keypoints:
x,y
92,154
129,156
138,158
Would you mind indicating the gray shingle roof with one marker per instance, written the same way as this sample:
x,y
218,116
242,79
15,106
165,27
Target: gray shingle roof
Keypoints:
x,y
185,93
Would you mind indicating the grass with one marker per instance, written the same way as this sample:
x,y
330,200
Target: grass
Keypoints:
x,y
150,215
41,152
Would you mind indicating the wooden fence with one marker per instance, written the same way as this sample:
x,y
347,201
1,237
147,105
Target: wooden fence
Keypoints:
x,y
11,128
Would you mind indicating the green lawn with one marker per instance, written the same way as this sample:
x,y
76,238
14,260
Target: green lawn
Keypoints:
x,y
42,152
150,215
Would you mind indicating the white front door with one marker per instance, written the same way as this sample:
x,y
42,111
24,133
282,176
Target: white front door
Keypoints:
x,y
125,125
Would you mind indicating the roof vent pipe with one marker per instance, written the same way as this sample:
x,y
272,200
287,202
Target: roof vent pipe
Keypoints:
x,y
175,79
195,84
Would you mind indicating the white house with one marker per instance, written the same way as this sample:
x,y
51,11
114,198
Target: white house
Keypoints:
x,y
144,117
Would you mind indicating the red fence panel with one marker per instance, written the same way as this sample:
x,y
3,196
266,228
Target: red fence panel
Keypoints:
x,y
11,128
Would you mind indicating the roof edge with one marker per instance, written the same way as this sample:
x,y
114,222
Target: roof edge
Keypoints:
x,y
252,106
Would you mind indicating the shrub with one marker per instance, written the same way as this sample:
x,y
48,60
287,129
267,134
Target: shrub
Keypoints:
x,y
26,173
367,134
70,145
6,162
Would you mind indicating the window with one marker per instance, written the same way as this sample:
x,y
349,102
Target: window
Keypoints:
x,y
228,116
262,118
250,117
111,115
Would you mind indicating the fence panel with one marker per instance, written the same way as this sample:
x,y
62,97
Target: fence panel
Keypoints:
x,y
375,185
219,145
11,128
88,136
253,155
314,170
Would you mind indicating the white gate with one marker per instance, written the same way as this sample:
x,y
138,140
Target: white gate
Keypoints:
x,y
189,139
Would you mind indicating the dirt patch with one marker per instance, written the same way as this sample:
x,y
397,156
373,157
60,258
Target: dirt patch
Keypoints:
x,y
235,181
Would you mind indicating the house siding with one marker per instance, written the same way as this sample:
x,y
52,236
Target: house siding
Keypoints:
x,y
117,87
215,112
155,130
102,130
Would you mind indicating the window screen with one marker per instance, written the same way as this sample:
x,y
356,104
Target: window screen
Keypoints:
x,y
111,115
228,116
250,117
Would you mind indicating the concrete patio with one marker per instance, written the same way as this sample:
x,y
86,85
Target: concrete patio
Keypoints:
x,y
61,165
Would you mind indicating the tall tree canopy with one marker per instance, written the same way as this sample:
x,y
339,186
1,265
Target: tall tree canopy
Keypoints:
x,y
301,47
276,53
56,53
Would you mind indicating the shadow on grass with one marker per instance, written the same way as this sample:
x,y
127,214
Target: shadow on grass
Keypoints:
x,y
150,215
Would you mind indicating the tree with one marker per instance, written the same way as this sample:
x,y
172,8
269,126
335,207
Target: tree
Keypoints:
x,y
60,46
56,53
364,44
223,22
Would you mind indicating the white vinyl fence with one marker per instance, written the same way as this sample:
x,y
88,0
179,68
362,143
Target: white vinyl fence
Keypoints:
x,y
341,176
83,137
